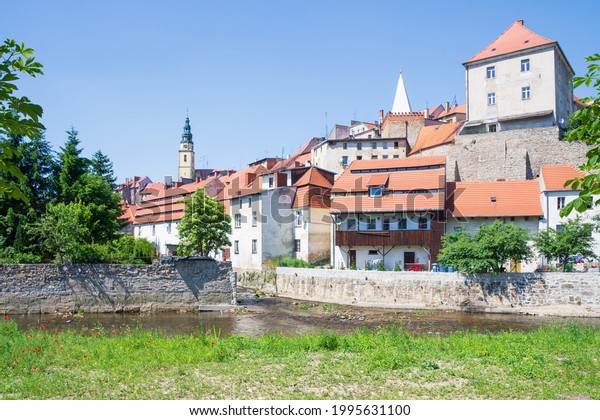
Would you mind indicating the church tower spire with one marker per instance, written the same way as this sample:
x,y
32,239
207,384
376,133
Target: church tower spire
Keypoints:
x,y
187,170
401,102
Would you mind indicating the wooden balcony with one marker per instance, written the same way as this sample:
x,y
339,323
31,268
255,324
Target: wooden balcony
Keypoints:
x,y
429,239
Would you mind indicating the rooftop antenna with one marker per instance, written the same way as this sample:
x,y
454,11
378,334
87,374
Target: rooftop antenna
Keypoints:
x,y
454,101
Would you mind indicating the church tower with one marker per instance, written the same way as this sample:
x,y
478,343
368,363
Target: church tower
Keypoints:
x,y
187,170
401,102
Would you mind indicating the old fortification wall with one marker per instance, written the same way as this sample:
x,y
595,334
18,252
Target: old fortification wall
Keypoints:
x,y
543,293
184,284
513,154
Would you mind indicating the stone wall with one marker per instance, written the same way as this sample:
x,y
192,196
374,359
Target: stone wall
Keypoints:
x,y
512,154
543,293
178,284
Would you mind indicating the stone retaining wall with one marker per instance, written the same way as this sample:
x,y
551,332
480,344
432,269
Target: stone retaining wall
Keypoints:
x,y
576,294
179,284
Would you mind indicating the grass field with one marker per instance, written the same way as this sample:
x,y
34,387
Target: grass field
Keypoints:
x,y
550,363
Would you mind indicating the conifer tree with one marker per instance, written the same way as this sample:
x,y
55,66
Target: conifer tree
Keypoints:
x,y
101,165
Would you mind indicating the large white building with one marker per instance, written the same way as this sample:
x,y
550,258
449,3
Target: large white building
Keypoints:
x,y
520,80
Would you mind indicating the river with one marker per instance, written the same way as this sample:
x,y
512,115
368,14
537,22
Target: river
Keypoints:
x,y
262,315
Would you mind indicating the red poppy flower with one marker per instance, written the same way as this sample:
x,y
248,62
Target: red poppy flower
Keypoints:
x,y
60,348
212,344
28,350
36,350
16,361
84,356
22,351
34,368
29,335
56,341
149,341
6,317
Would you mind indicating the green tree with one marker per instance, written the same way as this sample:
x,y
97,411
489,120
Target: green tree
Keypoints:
x,y
574,238
489,249
18,115
101,165
71,167
204,226
104,206
584,126
64,229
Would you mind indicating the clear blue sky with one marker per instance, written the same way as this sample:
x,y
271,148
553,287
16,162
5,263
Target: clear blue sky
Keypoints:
x,y
256,76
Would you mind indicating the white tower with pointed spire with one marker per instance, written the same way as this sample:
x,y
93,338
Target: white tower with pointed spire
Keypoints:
x,y
401,102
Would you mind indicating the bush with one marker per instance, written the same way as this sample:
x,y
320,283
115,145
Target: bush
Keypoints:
x,y
380,266
294,262
130,250
397,267
9,256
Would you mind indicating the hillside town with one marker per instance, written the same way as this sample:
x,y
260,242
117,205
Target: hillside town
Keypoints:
x,y
386,191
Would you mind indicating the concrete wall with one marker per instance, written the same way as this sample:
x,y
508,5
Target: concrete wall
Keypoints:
x,y
173,285
544,293
314,234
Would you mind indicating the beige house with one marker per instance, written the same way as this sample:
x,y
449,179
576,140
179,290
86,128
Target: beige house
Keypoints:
x,y
521,80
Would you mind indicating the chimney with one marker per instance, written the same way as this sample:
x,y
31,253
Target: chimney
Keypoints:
x,y
426,113
520,22
380,116
447,106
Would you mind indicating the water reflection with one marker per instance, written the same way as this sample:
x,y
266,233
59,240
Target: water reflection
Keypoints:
x,y
277,315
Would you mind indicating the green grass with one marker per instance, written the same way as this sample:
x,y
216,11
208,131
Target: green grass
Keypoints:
x,y
550,363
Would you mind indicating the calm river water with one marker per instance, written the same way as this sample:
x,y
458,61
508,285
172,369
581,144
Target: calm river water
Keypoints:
x,y
258,316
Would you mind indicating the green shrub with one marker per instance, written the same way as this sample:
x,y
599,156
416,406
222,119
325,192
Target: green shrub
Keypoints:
x,y
380,266
397,267
130,250
9,256
294,262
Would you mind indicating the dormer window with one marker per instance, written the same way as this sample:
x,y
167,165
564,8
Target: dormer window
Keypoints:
x,y
376,191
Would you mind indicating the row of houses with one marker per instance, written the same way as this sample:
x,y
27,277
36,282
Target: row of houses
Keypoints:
x,y
386,191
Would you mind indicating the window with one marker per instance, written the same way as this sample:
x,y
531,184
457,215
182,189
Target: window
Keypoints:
x,y
490,72
344,160
560,227
384,156
525,92
299,218
249,201
396,145
345,146
358,146
185,158
169,228
351,224
560,202
271,182
396,156
254,219
423,222
371,224
358,157
153,230
491,99
238,220
386,223
297,245
492,128
374,145
236,247
254,246
375,192
373,252
525,65
402,224
373,156
385,146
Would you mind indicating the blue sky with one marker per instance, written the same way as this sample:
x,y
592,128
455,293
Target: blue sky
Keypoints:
x,y
257,77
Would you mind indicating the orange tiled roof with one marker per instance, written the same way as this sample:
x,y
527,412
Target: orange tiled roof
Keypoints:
x,y
311,196
244,182
388,203
555,176
436,135
458,109
494,199
435,111
128,212
407,190
293,160
516,38
313,177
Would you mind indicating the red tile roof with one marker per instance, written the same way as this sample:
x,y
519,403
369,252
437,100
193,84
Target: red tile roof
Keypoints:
x,y
435,111
436,135
416,187
494,199
555,176
458,109
311,196
315,177
299,157
516,38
